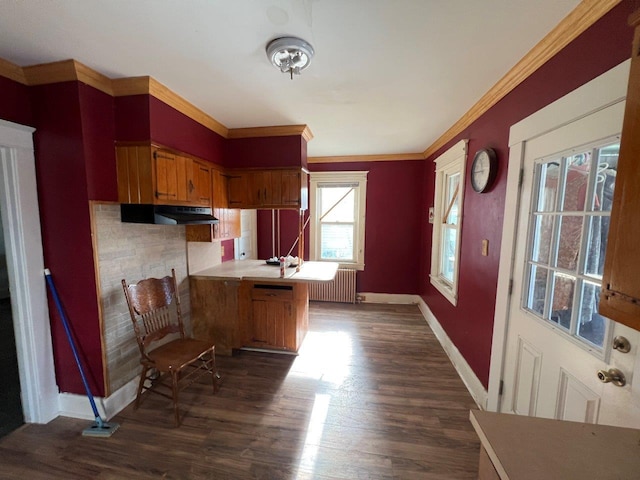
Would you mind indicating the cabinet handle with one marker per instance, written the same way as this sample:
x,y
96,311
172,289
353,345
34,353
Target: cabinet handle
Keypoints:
x,y
164,194
191,186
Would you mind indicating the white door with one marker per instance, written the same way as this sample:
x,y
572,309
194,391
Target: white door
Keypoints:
x,y
245,246
556,341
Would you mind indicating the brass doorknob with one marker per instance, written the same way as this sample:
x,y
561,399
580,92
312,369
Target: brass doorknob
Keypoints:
x,y
612,375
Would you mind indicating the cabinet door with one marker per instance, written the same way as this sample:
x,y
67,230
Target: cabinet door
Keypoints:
x,y
291,187
272,187
200,185
183,178
620,295
135,183
220,186
239,190
268,323
166,176
232,222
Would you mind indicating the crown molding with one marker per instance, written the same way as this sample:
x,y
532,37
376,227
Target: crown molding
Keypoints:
x,y
392,157
174,100
12,71
274,131
578,20
66,71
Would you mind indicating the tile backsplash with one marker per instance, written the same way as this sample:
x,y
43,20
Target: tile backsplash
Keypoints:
x,y
133,252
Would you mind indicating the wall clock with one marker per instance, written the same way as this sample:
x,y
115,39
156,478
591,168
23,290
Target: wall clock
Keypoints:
x,y
483,169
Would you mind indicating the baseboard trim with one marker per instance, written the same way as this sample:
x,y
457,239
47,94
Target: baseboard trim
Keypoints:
x,y
402,299
78,406
473,384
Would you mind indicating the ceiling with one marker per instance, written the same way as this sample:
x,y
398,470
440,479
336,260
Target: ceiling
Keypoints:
x,y
388,76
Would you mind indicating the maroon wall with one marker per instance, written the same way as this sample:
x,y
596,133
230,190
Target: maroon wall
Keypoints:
x,y
173,129
133,123
15,104
66,230
264,152
98,130
470,324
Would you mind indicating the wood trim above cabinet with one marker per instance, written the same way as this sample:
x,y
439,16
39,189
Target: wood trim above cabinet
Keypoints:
x,y
274,131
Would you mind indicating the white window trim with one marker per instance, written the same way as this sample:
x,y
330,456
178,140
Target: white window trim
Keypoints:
x,y
359,177
452,161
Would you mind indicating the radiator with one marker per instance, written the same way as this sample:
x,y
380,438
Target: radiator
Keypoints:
x,y
340,289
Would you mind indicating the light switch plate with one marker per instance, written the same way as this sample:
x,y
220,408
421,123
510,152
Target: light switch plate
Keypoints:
x,y
485,247
222,250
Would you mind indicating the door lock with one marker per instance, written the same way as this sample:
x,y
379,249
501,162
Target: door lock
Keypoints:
x,y
621,344
612,375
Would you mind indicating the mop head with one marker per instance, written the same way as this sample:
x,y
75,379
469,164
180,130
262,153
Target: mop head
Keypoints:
x,y
100,429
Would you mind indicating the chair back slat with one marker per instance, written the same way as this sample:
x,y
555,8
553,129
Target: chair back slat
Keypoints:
x,y
154,305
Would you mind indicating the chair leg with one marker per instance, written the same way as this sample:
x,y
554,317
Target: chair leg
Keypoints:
x,y
143,377
174,388
215,376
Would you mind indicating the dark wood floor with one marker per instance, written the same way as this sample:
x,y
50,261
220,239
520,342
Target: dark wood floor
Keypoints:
x,y
371,396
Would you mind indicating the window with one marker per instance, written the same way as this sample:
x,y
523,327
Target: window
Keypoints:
x,y
569,226
445,247
337,217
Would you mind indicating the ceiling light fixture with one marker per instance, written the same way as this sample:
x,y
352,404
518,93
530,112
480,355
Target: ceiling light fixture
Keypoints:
x,y
290,54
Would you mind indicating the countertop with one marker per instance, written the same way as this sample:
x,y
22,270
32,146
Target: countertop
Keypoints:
x,y
530,448
258,270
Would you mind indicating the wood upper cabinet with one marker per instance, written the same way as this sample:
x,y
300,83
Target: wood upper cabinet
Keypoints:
x,y
620,295
149,174
229,219
268,188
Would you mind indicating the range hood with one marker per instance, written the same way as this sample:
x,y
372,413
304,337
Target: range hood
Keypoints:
x,y
166,214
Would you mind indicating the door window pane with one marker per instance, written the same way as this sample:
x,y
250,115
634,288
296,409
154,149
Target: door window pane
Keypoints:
x,y
597,231
542,235
576,182
569,241
548,186
591,325
537,289
605,178
562,304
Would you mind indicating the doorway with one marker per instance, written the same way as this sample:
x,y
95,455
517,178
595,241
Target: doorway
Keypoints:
x,y
550,345
11,416
23,254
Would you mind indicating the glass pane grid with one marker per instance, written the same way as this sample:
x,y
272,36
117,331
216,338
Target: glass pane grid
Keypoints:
x,y
568,231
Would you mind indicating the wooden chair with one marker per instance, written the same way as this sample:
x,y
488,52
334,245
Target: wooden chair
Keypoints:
x,y
154,306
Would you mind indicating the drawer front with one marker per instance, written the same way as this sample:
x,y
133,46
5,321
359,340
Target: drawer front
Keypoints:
x,y
272,293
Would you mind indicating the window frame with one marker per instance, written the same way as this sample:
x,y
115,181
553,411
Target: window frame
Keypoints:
x,y
316,181
451,162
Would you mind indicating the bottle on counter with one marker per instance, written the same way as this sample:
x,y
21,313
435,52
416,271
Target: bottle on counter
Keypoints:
x,y
282,267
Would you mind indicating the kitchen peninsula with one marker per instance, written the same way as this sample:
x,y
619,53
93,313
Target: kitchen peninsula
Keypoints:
x,y
245,303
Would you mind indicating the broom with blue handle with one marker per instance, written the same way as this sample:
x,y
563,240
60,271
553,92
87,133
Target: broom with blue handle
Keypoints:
x,y
100,428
